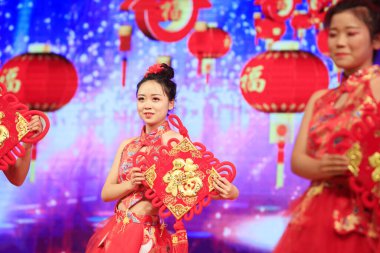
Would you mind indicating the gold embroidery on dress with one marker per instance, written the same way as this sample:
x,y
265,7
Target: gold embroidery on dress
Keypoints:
x,y
355,156
374,161
345,224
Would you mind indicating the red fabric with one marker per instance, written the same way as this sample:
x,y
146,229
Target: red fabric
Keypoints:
x,y
332,216
312,230
142,234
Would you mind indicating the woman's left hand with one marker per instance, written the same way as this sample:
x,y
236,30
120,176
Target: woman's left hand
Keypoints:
x,y
35,125
225,188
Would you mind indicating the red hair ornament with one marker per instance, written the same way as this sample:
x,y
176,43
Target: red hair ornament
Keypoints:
x,y
154,69
14,119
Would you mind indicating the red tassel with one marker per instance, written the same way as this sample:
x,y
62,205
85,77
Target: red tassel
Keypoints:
x,y
179,238
124,71
32,170
199,67
34,152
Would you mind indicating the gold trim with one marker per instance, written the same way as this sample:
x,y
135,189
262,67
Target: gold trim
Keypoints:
x,y
355,156
21,126
150,176
374,161
185,146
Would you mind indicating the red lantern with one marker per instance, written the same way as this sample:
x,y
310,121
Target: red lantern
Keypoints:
x,y
43,81
301,22
165,20
268,29
282,81
208,43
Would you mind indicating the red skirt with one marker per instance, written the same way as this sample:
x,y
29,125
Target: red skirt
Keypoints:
x,y
327,220
127,232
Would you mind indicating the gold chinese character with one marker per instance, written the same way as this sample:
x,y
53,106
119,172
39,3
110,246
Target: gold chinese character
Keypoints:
x,y
9,78
252,81
171,11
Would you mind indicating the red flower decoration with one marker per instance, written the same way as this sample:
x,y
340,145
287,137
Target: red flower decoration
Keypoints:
x,y
154,69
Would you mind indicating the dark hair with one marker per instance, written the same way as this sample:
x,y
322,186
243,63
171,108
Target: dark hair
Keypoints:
x,y
162,74
367,11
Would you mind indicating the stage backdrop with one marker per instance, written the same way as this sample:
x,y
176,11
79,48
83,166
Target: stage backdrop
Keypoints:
x,y
245,111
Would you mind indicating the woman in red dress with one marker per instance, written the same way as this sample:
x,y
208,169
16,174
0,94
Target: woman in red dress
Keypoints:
x,y
331,216
136,227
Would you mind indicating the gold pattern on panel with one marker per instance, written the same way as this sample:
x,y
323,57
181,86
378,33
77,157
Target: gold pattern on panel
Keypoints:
x,y
355,156
183,178
374,161
190,201
213,174
178,210
150,175
21,126
185,146
4,133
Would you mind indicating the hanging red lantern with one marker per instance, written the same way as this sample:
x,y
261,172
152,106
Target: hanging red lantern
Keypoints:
x,y
300,22
282,82
268,29
208,42
165,20
43,81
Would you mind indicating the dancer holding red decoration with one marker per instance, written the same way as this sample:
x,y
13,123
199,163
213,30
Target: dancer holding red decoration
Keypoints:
x,y
17,173
338,145
136,226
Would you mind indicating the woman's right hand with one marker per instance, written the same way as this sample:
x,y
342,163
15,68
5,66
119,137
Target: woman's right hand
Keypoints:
x,y
137,177
331,165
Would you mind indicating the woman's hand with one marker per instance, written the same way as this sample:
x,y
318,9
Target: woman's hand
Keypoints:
x,y
35,125
136,177
225,189
333,165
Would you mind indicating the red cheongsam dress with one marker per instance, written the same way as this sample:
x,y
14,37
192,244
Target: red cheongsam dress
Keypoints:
x,y
126,231
330,216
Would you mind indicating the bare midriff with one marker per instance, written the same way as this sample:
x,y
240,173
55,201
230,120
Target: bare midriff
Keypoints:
x,y
143,207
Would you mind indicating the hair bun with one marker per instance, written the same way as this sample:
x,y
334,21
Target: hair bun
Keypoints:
x,y
161,70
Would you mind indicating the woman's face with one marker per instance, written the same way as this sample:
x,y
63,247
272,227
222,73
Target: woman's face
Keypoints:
x,y
350,43
153,104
